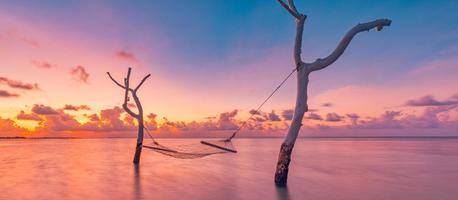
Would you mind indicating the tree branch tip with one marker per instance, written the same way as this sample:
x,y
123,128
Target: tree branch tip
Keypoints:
x,y
384,22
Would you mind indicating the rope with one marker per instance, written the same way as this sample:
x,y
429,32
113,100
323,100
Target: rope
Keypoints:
x,y
262,104
149,134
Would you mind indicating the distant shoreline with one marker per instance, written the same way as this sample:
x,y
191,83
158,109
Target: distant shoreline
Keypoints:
x,y
304,137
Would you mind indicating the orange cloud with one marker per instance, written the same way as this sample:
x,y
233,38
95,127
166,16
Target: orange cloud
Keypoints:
x,y
7,125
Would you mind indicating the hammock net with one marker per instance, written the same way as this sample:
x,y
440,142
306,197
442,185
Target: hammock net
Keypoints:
x,y
193,150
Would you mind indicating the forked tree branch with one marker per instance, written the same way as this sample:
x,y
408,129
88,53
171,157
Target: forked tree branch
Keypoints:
x,y
141,83
291,6
123,87
116,82
338,51
298,41
291,9
126,95
127,89
138,116
300,20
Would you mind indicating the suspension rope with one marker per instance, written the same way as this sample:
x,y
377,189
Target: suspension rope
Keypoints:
x,y
149,134
260,105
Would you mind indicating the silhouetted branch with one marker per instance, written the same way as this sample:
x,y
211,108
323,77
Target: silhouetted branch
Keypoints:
x,y
291,9
322,63
291,6
126,95
116,82
300,20
141,83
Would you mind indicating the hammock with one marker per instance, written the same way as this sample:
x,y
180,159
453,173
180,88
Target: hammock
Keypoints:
x,y
194,150
206,147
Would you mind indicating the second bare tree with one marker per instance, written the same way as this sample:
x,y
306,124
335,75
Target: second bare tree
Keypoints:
x,y
303,72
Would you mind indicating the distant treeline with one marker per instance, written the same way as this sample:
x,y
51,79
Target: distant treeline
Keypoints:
x,y
12,137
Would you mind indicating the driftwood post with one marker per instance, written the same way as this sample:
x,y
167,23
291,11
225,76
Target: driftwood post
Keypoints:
x,y
138,116
303,72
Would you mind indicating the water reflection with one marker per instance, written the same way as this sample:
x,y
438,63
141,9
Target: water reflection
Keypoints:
x,y
283,193
320,169
137,182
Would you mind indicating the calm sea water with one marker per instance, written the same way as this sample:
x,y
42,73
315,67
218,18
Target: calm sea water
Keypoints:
x,y
321,169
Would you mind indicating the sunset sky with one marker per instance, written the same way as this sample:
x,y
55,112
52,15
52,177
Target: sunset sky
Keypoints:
x,y
211,62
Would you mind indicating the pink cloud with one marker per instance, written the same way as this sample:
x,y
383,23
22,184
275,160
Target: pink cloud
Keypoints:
x,y
313,116
111,121
80,74
353,118
76,108
60,122
28,116
430,118
430,101
272,116
227,120
122,54
18,84
151,123
6,94
334,117
43,64
287,114
23,39
43,110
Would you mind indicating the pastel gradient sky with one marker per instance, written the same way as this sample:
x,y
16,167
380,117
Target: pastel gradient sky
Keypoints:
x,y
211,62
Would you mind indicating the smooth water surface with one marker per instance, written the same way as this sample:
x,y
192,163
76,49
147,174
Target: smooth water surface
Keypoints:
x,y
320,169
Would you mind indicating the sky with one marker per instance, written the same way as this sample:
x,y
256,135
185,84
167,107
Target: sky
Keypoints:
x,y
212,62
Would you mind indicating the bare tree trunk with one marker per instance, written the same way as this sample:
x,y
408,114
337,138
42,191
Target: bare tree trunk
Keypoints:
x,y
138,116
284,157
138,148
303,71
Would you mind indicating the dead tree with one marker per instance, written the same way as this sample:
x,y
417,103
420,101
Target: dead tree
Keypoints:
x,y
303,72
138,116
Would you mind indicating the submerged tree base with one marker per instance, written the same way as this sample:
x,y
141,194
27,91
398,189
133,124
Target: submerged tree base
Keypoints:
x,y
138,152
284,158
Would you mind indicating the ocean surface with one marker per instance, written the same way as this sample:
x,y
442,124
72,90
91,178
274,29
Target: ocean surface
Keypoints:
x,y
322,169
